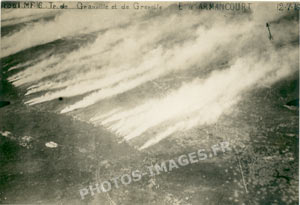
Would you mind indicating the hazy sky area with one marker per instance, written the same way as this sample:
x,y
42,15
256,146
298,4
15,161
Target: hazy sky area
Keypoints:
x,y
145,75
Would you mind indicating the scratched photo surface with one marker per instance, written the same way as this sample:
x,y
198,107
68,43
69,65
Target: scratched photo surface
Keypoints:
x,y
89,93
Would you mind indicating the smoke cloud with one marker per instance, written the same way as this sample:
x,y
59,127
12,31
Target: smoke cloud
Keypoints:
x,y
191,66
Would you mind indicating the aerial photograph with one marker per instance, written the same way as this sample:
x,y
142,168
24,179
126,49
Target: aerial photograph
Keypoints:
x,y
149,103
